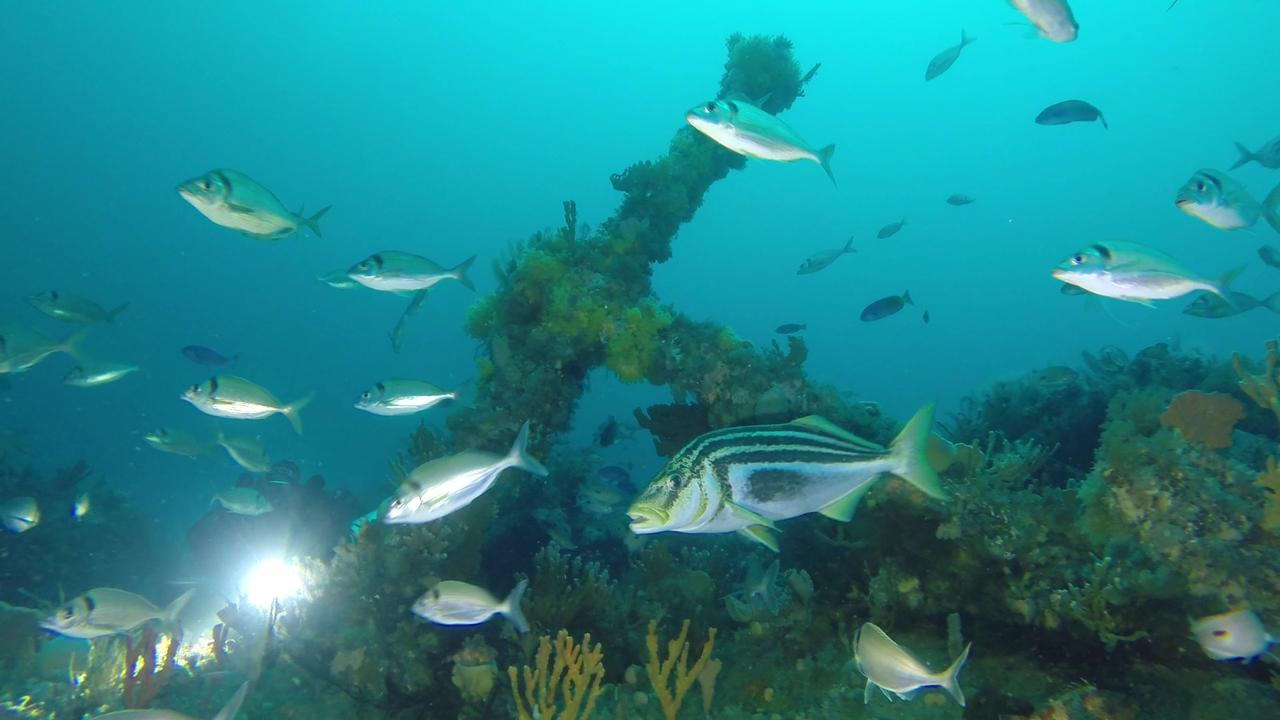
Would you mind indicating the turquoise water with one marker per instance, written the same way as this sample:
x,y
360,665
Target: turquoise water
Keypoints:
x,y
456,130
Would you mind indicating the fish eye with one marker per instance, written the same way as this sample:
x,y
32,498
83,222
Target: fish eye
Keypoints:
x,y
365,395
711,107
1201,187
1077,259
1221,633
205,184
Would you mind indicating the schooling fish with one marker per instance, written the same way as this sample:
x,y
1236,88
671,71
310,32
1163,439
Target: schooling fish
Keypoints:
x,y
234,397
1070,111
1135,273
19,514
441,486
108,611
202,355
748,130
22,349
1236,635
1267,156
891,229
235,200
228,711
178,442
790,328
395,271
1269,255
743,479
1214,307
959,199
247,452
1218,200
943,61
890,667
886,306
1053,18
457,603
73,308
402,397
242,501
339,280
97,374
822,259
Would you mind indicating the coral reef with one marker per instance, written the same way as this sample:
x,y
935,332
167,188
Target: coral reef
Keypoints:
x,y
671,690
564,690
1205,418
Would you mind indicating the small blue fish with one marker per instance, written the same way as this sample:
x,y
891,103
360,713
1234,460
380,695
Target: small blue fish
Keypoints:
x,y
202,355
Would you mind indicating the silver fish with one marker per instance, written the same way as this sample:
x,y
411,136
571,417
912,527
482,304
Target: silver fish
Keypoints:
x,y
73,308
1218,200
234,397
97,374
890,667
22,349
1208,305
1053,18
395,271
1135,273
178,442
1236,635
441,486
108,611
339,280
1070,111
822,259
242,501
235,200
891,229
960,199
943,61
247,452
1267,156
228,711
402,397
457,603
748,130
743,479
80,507
19,514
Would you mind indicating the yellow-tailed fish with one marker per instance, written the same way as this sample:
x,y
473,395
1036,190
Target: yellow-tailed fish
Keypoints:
x,y
242,501
235,200
1135,273
747,130
1217,199
73,308
457,603
97,374
178,442
22,349
395,271
402,397
108,611
19,514
234,397
890,667
247,452
743,479
1235,635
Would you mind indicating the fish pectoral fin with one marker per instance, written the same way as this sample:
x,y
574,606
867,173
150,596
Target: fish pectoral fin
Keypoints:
x,y
751,516
762,535
243,210
819,424
843,508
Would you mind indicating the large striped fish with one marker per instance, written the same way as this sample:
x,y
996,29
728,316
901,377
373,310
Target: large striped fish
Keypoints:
x,y
743,479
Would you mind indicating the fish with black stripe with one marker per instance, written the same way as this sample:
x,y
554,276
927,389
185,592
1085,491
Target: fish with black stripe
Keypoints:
x,y
744,479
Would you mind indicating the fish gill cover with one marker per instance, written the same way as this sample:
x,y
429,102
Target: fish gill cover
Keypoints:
x,y
1089,529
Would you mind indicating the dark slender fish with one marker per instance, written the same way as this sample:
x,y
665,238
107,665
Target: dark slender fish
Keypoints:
x,y
886,306
891,229
202,355
943,61
1208,305
397,333
1270,256
925,317
1070,111
790,328
959,199
607,433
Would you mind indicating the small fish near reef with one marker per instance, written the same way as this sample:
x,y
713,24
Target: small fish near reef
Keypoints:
x,y
943,61
22,349
228,711
97,374
178,442
108,611
960,200
395,271
201,355
744,479
402,397
441,486
1053,18
1134,273
607,433
886,306
1270,256
1070,111
1055,376
457,603
1218,200
236,201
822,259
1236,635
247,452
74,309
1214,308
20,514
747,130
791,328
242,501
892,668
891,229
1268,156
234,397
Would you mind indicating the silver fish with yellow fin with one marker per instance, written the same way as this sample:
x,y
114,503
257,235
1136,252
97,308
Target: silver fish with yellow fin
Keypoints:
x,y
890,667
1053,18
234,397
108,611
73,308
235,200
747,130
395,271
1235,635
1135,273
402,397
228,711
457,603
178,442
743,479
1219,200
96,374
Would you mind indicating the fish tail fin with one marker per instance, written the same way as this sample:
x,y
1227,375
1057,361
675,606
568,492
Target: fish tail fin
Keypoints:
x,y
228,711
949,680
1105,126
292,410
824,159
1246,156
965,38
313,223
1222,286
115,312
511,606
1272,302
910,449
848,246
176,607
73,344
519,456
1271,209
460,272
906,297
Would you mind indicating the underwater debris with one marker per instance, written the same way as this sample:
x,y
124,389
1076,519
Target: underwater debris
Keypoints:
x,y
1205,418
659,670
575,677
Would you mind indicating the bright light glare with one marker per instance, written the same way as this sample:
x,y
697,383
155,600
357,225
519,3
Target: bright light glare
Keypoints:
x,y
271,580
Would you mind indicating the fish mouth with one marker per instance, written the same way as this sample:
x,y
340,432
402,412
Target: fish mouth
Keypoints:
x,y
646,519
1183,202
1059,273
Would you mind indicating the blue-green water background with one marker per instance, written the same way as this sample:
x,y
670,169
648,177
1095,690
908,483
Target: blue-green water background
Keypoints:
x,y
454,129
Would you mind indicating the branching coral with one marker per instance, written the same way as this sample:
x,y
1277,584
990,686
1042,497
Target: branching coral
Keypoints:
x,y
659,669
1263,388
558,691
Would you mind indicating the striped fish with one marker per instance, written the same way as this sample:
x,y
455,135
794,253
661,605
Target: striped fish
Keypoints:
x,y
743,479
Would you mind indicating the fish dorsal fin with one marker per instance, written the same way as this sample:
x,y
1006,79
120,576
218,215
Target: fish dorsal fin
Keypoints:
x,y
749,515
819,424
762,535
843,508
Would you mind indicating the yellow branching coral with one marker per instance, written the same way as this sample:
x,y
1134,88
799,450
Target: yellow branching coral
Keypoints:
x,y
573,678
1263,388
1270,482
677,659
